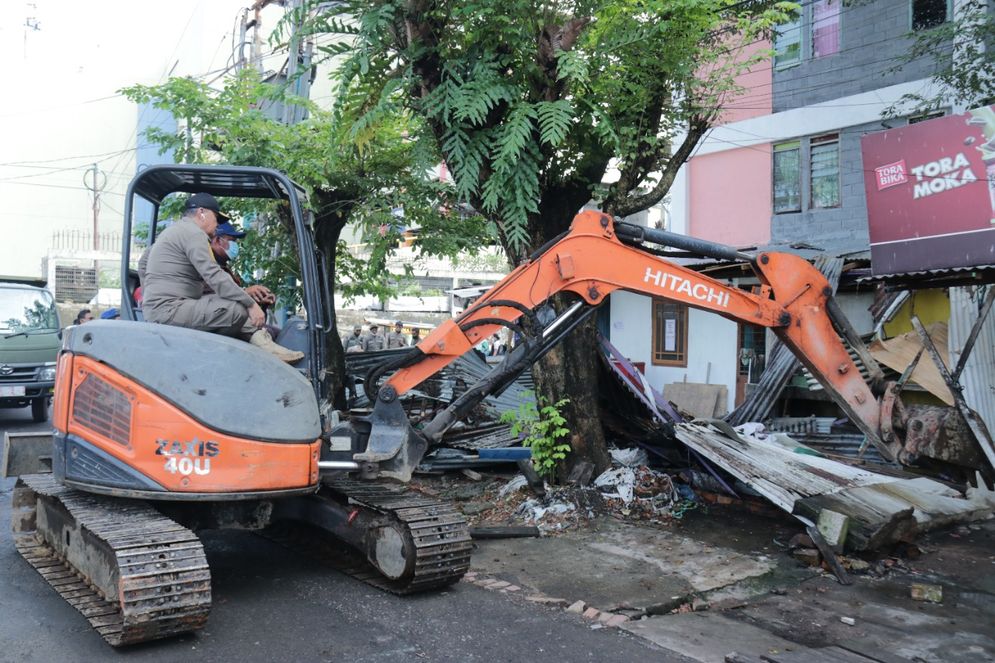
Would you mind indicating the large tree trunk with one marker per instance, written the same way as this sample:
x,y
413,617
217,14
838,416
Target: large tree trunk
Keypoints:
x,y
328,229
571,369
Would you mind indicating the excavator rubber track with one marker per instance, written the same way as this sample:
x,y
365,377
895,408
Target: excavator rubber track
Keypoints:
x,y
438,533
156,566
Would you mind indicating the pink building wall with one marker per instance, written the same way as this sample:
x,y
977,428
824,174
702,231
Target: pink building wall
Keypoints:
x,y
729,191
730,196
756,96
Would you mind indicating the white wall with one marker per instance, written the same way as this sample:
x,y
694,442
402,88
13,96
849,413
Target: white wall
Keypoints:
x,y
711,344
62,110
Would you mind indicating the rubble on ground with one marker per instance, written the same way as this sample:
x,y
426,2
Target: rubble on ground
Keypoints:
x,y
631,491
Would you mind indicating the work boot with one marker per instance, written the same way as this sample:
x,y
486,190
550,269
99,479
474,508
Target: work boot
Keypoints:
x,y
261,339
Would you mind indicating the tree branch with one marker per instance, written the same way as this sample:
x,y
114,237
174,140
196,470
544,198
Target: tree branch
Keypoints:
x,y
636,203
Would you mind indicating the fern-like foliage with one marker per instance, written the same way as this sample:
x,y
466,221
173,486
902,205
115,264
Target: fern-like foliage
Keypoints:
x,y
530,102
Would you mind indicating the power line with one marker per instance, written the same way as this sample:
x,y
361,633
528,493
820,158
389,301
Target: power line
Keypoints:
x,y
62,186
108,155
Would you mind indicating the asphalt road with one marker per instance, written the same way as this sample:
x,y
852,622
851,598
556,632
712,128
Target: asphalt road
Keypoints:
x,y
271,604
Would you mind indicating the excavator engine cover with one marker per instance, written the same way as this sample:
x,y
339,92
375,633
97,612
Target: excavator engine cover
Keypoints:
x,y
142,411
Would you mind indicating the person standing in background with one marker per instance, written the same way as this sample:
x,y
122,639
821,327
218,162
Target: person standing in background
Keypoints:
x,y
374,342
396,338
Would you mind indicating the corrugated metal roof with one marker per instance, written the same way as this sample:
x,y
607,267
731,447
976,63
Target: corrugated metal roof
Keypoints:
x,y
882,278
978,376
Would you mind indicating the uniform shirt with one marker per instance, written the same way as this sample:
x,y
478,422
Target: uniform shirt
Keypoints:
x,y
373,343
396,340
352,341
176,268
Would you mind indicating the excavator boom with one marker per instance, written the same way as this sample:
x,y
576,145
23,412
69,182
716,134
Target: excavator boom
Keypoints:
x,y
597,257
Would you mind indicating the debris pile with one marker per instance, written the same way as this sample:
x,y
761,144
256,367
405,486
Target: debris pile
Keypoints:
x,y
630,492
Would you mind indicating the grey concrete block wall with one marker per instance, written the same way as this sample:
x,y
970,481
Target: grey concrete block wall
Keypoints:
x,y
842,229
874,35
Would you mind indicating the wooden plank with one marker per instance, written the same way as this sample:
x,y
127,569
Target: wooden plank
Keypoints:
x,y
828,555
777,473
504,532
871,653
704,401
823,655
882,509
899,352
736,657
875,520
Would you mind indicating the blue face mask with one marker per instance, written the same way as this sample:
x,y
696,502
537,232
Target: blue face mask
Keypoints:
x,y
232,250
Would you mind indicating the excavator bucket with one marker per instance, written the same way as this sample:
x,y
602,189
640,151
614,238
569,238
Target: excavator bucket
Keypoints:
x,y
393,445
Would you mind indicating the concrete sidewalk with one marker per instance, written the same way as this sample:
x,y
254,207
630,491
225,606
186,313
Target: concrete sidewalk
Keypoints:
x,y
721,581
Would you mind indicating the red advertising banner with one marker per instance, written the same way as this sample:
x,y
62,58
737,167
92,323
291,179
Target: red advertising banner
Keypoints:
x,y
931,193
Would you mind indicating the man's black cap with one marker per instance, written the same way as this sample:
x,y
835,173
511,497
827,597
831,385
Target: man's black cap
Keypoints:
x,y
207,201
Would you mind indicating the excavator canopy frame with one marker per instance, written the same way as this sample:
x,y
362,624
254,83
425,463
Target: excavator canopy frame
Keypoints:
x,y
154,184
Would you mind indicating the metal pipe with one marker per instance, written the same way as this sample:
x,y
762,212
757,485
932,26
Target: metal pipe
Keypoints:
x,y
548,331
693,244
338,465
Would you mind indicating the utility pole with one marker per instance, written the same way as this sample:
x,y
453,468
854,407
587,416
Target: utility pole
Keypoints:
x,y
298,66
256,53
242,32
95,188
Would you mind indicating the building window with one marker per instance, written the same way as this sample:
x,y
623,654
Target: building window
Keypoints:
x,y
928,14
788,44
826,27
825,171
925,117
670,333
752,351
787,177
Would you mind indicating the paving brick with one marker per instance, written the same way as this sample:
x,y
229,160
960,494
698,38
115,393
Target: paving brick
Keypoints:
x,y
592,613
617,620
577,607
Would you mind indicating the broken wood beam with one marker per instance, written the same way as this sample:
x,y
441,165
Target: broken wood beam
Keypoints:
x,y
828,555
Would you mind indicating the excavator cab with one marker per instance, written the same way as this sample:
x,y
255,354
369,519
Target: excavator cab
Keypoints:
x,y
153,411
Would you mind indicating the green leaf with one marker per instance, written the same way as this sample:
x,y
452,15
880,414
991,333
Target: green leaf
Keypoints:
x,y
554,120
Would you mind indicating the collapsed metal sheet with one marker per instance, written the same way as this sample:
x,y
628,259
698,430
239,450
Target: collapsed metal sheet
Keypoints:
x,y
484,431
882,509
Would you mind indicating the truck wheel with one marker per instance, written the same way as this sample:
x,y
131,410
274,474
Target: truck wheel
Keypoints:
x,y
39,410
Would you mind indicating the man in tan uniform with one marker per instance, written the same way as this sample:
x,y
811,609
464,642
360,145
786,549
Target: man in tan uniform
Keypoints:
x,y
173,273
396,338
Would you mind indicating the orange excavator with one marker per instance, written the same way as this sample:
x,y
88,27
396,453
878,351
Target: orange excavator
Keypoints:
x,y
162,431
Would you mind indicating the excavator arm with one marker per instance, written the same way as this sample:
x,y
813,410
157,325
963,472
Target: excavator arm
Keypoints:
x,y
598,256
